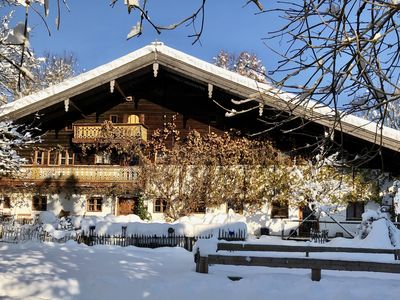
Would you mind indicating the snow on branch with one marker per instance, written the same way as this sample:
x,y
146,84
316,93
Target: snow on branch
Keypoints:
x,y
12,138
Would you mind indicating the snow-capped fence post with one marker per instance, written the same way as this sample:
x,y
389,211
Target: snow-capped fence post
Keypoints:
x,y
201,262
123,236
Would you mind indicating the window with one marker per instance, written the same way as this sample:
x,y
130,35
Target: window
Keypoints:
x,y
102,159
39,203
280,210
52,157
39,157
160,205
200,207
114,118
6,202
66,158
94,204
133,119
69,127
236,206
354,210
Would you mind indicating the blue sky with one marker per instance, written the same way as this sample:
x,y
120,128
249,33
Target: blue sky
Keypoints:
x,y
96,33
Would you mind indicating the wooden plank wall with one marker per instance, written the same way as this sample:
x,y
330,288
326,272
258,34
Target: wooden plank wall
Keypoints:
x,y
151,114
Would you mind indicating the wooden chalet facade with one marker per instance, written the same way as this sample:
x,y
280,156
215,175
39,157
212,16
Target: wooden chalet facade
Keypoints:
x,y
137,94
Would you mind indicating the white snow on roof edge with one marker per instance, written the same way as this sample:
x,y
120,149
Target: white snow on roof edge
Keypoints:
x,y
73,82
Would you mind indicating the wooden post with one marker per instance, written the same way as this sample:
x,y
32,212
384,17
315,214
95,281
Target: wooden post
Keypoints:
x,y
315,274
91,235
203,264
397,254
123,236
197,260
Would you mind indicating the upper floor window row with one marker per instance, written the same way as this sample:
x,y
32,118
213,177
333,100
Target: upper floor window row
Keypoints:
x,y
44,157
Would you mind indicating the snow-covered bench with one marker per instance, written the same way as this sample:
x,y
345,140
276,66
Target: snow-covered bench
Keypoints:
x,y
315,264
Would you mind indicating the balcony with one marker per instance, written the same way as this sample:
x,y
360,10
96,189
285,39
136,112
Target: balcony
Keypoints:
x,y
95,132
92,174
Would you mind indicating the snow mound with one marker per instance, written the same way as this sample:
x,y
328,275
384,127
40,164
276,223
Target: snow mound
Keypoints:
x,y
376,231
378,236
47,217
206,246
190,226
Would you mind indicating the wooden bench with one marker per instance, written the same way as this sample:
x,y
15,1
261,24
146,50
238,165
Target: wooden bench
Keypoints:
x,y
316,265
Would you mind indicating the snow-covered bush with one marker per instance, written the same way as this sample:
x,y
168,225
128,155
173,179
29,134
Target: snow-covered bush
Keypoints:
x,y
13,137
376,225
47,217
65,223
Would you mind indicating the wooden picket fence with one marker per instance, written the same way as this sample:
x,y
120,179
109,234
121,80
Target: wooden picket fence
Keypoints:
x,y
91,238
144,241
14,234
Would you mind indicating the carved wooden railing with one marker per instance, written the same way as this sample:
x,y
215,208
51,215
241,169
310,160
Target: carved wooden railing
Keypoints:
x,y
113,174
84,133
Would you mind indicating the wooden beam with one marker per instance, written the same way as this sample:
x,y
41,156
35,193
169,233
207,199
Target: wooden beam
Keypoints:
x,y
77,108
119,89
305,249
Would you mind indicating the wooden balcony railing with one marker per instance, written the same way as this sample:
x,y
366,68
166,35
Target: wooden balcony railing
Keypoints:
x,y
114,174
95,132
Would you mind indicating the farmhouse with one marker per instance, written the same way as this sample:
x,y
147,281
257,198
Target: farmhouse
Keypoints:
x,y
140,93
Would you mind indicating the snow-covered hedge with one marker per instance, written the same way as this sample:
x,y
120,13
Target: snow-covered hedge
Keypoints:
x,y
191,226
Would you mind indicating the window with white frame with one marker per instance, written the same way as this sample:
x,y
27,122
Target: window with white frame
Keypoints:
x,y
39,157
160,205
102,159
66,157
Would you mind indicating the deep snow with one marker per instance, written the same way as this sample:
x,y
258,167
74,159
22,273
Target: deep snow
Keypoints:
x,y
72,271
75,271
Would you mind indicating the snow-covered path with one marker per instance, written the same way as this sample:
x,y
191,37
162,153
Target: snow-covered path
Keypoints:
x,y
71,271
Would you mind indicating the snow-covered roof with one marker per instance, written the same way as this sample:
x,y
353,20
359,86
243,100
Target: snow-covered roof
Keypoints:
x,y
208,73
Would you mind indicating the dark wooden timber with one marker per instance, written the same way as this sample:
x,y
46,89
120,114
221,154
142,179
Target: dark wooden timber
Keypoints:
x,y
305,249
316,265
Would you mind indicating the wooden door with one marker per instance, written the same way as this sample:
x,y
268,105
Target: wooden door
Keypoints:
x,y
126,205
305,228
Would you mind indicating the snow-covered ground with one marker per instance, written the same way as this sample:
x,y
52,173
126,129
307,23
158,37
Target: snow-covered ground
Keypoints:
x,y
72,271
35,270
